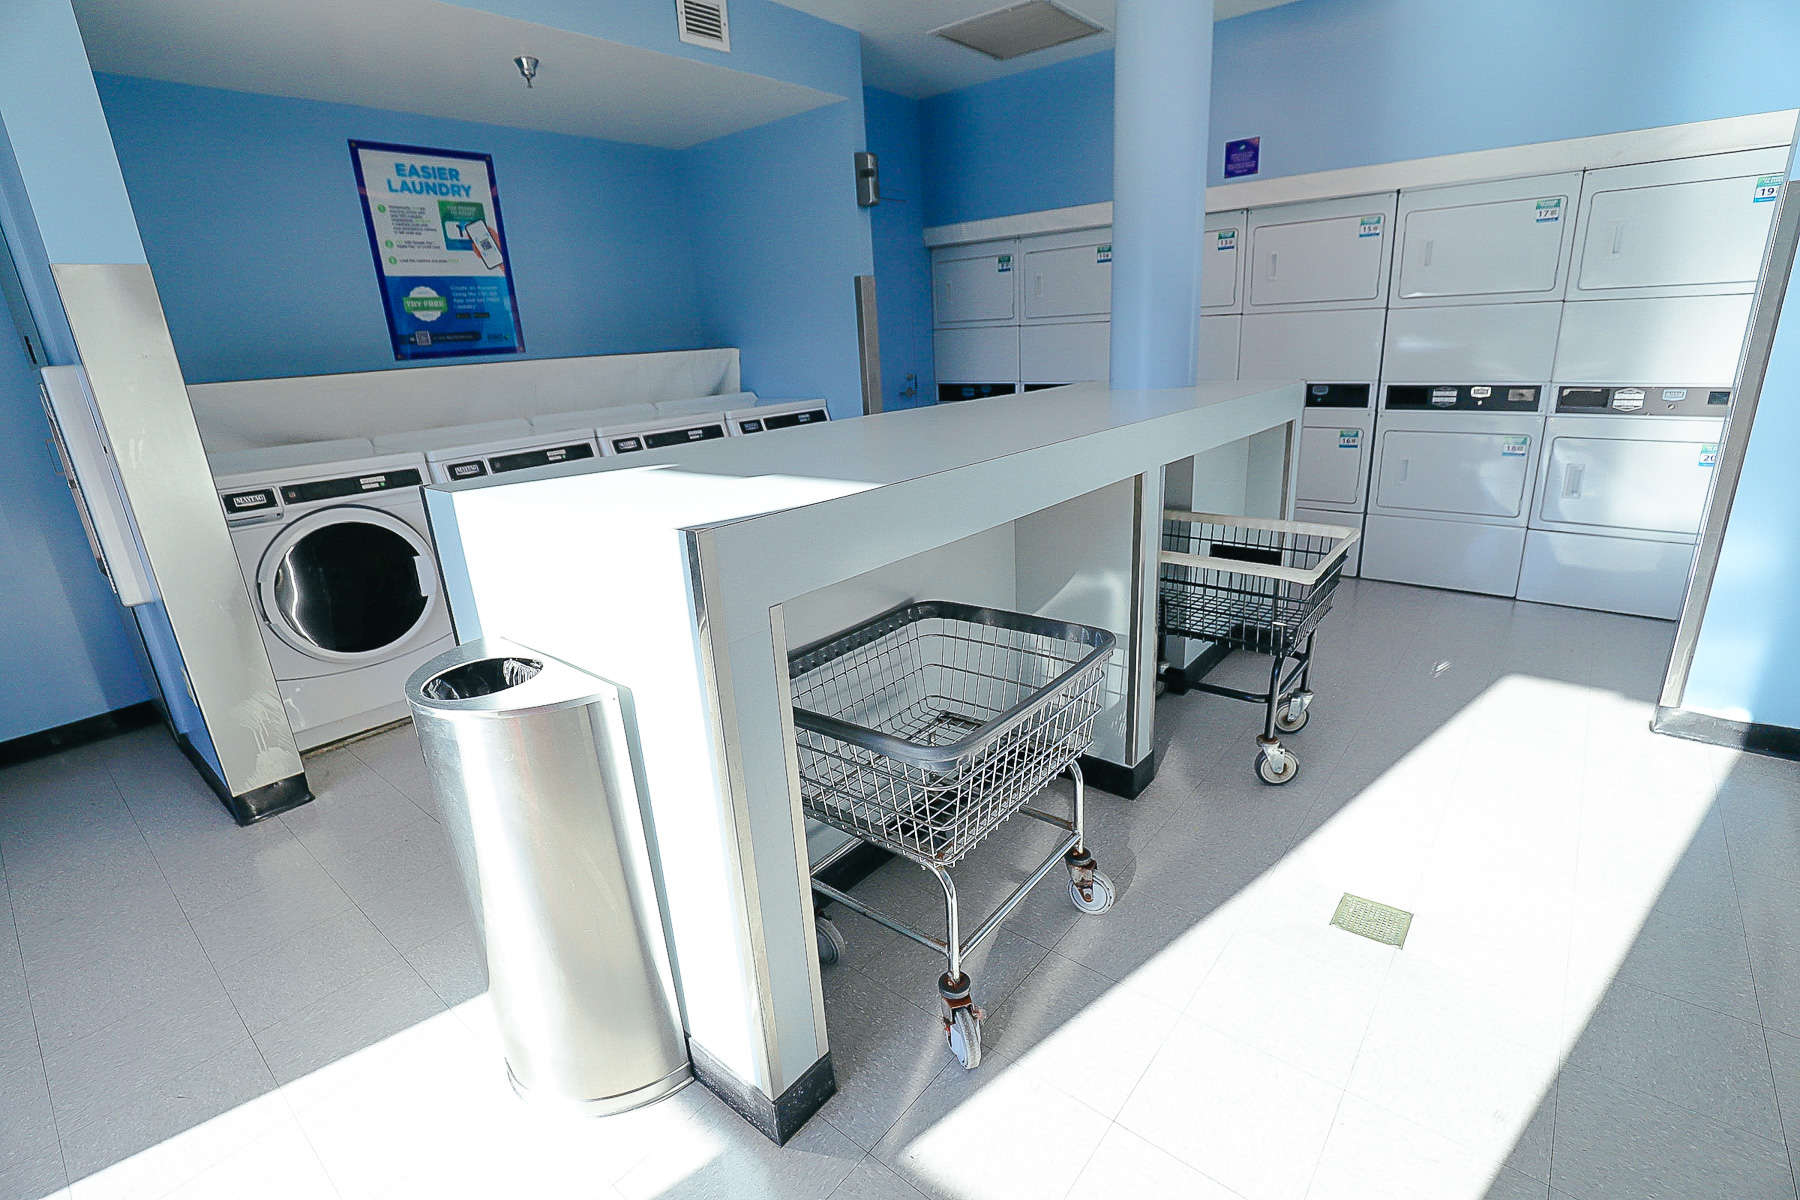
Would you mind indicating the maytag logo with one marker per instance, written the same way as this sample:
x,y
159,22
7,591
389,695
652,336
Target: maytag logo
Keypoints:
x,y
371,482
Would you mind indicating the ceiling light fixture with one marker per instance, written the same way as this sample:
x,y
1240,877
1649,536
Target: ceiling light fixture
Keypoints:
x,y
528,65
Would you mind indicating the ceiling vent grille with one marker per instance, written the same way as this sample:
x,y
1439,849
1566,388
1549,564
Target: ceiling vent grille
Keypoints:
x,y
704,23
1019,29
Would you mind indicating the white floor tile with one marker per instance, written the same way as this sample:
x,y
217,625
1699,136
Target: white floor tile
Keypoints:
x,y
1126,1167
1235,1114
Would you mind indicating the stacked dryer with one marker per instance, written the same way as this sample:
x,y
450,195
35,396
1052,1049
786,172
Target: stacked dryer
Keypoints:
x,y
1658,304
1315,305
1066,311
1474,309
1222,294
975,311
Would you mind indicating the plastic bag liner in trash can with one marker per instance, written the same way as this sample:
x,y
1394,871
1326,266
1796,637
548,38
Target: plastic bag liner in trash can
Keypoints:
x,y
531,766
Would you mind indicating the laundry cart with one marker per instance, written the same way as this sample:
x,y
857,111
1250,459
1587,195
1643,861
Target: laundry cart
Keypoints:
x,y
1250,583
922,731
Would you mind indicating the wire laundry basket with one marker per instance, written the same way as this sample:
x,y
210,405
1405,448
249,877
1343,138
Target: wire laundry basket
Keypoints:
x,y
925,728
1274,599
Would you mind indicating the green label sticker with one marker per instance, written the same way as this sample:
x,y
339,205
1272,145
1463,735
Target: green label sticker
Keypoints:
x,y
1103,254
1549,210
1370,226
1005,261
1515,447
1709,454
1225,239
1767,188
1349,439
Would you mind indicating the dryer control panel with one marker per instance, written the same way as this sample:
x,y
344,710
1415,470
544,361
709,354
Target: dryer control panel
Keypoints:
x,y
1643,400
1337,395
1464,397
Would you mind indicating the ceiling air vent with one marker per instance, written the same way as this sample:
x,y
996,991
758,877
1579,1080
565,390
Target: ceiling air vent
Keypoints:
x,y
1019,29
704,23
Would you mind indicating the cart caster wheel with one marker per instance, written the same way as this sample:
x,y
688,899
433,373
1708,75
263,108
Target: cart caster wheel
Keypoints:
x,y
1277,767
1100,897
1295,714
964,1032
831,941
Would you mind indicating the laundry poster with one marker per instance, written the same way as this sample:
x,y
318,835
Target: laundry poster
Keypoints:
x,y
433,218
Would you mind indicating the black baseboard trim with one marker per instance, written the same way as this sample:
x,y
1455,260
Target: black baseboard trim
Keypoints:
x,y
854,867
1178,680
1776,740
78,733
257,804
778,1119
1127,782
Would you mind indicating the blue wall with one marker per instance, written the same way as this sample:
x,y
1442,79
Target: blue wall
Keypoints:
x,y
253,226
902,265
65,649
1340,83
781,240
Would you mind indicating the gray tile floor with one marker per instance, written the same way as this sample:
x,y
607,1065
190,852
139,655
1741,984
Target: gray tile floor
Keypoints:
x,y
1600,997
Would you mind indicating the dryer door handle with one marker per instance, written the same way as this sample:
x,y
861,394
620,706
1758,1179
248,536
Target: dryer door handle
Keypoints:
x,y
1572,481
427,572
1405,469
1274,262
1430,243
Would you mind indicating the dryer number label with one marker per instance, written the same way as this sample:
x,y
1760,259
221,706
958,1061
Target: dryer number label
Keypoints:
x,y
1767,188
1515,447
1349,439
1225,239
1003,263
1102,254
1709,454
1369,227
1549,210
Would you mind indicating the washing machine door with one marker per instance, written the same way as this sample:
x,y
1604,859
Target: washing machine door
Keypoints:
x,y
348,585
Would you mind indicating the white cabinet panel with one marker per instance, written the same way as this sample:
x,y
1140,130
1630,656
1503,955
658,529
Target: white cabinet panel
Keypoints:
x,y
977,355
1694,226
1486,242
1068,275
1219,348
1616,484
1490,343
1073,353
1330,254
1333,462
1612,574
1467,474
1327,347
1689,339
975,284
1222,263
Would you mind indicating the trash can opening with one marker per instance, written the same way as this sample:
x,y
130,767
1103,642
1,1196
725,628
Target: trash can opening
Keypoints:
x,y
482,677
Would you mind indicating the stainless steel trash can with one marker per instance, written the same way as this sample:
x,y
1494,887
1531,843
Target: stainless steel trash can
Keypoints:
x,y
531,766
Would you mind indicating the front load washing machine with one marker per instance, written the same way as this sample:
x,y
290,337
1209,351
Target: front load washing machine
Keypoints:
x,y
1622,486
338,560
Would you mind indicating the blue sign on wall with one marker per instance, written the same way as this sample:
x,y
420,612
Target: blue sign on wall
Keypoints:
x,y
1242,157
433,218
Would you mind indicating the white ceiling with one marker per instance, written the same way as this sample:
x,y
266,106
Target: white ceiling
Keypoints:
x,y
423,56
900,55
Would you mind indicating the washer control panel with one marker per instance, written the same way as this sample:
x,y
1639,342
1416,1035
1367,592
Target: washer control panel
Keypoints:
x,y
1643,400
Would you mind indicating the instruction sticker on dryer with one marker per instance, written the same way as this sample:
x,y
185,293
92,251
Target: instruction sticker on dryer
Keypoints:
x,y
1767,188
1709,454
1515,447
1549,210
1369,227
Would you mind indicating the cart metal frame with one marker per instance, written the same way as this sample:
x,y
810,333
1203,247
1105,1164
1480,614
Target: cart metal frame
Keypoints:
x,y
1262,585
941,722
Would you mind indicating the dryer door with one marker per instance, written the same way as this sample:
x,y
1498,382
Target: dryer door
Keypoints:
x,y
348,585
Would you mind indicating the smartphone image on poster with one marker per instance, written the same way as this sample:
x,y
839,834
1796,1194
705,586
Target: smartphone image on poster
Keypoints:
x,y
487,246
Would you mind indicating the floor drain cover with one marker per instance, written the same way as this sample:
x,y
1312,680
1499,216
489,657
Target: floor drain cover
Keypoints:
x,y
1376,921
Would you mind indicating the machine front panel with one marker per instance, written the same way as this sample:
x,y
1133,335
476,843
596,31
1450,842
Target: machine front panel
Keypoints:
x,y
1464,397
1701,233
1625,483
1333,260
1219,337
1070,281
1671,337
1323,345
977,354
1333,463
1222,251
1478,250
975,284
1475,341
1468,474
1072,353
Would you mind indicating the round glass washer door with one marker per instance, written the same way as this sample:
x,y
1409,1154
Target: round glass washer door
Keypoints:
x,y
348,585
